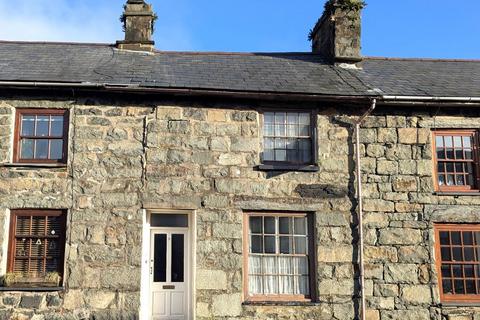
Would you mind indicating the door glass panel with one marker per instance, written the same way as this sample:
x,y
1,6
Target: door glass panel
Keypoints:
x,y
169,220
177,257
160,258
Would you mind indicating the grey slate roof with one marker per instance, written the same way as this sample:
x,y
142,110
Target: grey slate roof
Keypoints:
x,y
304,73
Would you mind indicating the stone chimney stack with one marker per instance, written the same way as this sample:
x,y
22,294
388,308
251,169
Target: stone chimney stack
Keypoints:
x,y
337,33
138,20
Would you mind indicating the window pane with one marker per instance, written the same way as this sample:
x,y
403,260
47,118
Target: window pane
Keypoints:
x,y
439,141
440,153
292,144
160,258
27,146
459,154
467,142
300,245
470,287
257,244
448,141
441,180
301,265
304,118
303,285
269,155
177,274
280,130
270,244
457,254
285,265
169,220
468,269
270,285
300,226
284,225
468,254
450,180
42,126
286,285
256,224
456,239
269,143
444,238
41,149
457,270
281,155
269,117
306,150
292,118
286,245
457,141
270,265
446,256
459,287
255,284
447,286
446,271
304,131
56,126
56,149
280,117
28,125
269,225
38,226
255,265
269,130
450,154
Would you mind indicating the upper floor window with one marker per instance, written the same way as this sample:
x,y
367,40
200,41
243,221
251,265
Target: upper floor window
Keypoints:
x,y
456,156
278,257
287,138
458,262
36,247
41,136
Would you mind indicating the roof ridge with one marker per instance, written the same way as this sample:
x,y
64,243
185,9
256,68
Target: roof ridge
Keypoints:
x,y
420,59
58,42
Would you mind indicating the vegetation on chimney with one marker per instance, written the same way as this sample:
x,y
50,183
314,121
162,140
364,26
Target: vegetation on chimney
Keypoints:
x,y
123,19
344,5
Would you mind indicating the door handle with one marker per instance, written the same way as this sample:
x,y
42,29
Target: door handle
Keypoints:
x,y
168,287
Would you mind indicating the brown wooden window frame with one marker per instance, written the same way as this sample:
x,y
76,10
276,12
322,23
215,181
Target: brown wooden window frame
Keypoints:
x,y
20,112
475,249
475,161
311,137
13,238
310,254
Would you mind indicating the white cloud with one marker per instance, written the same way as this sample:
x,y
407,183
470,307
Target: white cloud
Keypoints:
x,y
80,21
61,20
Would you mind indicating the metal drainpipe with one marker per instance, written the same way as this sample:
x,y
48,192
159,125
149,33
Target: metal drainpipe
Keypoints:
x,y
360,205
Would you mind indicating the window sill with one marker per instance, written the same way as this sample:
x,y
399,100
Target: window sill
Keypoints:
x,y
288,167
460,304
281,303
34,165
39,289
457,193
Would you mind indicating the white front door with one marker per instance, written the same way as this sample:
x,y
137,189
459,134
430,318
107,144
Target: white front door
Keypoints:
x,y
169,274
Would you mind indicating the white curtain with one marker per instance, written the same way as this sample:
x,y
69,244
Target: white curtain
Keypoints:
x,y
278,275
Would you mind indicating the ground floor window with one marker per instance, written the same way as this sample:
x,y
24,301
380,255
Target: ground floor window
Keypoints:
x,y
36,247
458,262
278,263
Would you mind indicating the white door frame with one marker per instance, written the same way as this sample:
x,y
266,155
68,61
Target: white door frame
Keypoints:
x,y
145,292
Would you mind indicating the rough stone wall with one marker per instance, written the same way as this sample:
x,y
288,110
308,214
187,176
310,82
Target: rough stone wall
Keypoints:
x,y
400,211
125,157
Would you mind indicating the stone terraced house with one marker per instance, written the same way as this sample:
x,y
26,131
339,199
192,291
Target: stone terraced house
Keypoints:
x,y
140,184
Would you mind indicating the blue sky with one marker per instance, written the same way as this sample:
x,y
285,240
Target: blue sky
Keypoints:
x,y
401,28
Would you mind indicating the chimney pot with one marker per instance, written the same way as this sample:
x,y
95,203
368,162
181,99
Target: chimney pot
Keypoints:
x,y
138,20
336,36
